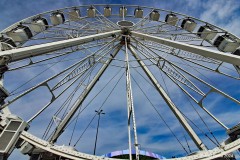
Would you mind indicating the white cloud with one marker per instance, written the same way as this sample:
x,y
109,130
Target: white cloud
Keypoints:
x,y
194,4
222,13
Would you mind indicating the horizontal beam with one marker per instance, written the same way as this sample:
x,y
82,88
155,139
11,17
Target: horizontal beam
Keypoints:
x,y
221,56
26,52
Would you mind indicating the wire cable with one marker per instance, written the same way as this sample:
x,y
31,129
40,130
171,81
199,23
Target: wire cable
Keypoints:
x,y
161,117
99,109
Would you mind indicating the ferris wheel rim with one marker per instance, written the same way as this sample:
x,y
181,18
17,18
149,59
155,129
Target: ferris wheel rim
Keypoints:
x,y
105,5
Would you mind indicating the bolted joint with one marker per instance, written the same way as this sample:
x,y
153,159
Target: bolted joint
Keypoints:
x,y
126,31
4,60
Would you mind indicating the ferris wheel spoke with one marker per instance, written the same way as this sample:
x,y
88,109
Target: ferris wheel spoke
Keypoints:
x,y
163,28
200,102
209,64
52,38
160,115
95,58
187,36
102,105
142,22
77,18
68,117
167,99
190,95
68,31
65,30
96,95
86,26
106,45
212,88
58,54
201,61
105,19
77,67
99,18
104,23
78,72
177,76
26,52
60,28
169,29
130,107
154,27
229,58
184,38
66,103
188,118
44,83
183,72
177,33
66,34
180,38
188,56
100,28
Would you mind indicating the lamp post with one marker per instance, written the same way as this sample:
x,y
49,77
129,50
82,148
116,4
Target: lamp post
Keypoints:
x,y
99,114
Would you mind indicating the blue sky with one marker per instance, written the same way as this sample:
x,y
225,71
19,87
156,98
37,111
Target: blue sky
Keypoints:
x,y
219,12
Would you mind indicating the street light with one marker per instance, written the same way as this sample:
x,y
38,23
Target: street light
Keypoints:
x,y
99,114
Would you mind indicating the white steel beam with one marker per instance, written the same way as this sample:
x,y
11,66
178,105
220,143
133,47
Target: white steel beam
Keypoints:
x,y
26,52
82,97
130,106
229,58
169,102
74,155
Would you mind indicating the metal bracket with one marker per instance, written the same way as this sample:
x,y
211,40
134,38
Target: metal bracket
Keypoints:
x,y
10,136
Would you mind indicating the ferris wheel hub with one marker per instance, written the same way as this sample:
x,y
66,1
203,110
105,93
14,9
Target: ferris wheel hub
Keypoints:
x,y
125,24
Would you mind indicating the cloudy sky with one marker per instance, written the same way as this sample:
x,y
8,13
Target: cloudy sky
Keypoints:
x,y
222,13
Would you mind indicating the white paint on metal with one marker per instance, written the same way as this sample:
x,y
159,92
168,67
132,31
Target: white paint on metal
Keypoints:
x,y
75,107
169,102
229,58
26,52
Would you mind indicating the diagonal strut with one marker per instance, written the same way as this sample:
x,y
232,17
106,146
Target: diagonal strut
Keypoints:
x,y
167,99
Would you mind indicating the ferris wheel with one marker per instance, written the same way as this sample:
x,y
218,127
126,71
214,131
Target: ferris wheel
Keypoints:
x,y
160,77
